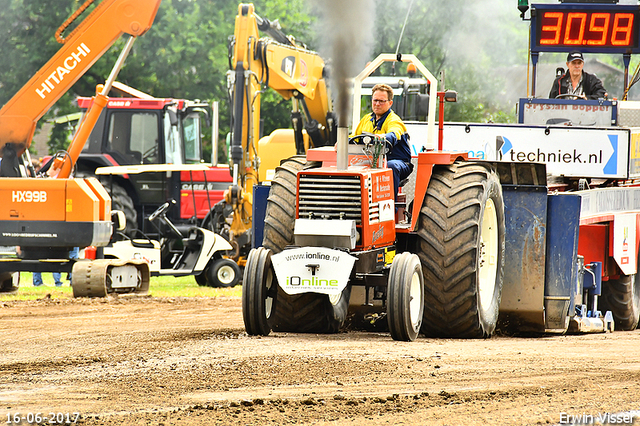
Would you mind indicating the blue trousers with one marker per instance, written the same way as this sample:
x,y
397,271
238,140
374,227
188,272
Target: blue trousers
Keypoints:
x,y
37,279
37,276
401,170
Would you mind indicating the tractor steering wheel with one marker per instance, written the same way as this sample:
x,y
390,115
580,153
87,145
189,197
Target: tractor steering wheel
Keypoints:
x,y
160,210
362,139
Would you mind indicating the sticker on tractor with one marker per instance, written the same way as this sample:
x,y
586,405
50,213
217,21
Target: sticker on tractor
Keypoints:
x,y
624,249
313,270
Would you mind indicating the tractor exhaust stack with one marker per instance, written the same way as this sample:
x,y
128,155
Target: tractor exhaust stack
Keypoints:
x,y
343,148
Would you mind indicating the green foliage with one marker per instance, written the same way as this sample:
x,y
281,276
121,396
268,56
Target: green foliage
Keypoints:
x,y
61,134
467,41
279,116
185,53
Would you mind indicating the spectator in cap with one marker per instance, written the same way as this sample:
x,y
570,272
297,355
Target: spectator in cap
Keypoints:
x,y
576,83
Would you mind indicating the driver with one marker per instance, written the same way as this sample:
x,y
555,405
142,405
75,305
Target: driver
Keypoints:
x,y
576,82
386,123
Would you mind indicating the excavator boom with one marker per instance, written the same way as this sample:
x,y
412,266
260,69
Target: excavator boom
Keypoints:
x,y
82,48
290,69
46,217
294,72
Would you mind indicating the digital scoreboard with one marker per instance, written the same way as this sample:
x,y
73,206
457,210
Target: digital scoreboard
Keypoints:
x,y
589,28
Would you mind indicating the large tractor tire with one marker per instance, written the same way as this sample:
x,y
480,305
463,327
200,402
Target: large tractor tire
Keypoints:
x,y
308,312
461,248
622,298
405,297
280,212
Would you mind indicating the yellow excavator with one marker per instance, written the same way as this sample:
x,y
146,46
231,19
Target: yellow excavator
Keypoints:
x,y
279,62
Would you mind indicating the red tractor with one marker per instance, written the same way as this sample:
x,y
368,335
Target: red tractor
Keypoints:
x,y
334,239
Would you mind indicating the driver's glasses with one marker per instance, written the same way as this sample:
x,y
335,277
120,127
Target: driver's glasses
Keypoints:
x,y
379,101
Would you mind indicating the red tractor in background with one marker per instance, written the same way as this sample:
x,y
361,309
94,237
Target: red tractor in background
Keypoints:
x,y
145,132
146,151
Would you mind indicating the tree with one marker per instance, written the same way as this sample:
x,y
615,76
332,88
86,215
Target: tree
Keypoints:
x,y
185,53
469,41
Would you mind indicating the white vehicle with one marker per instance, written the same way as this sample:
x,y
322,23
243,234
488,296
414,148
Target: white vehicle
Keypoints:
x,y
189,251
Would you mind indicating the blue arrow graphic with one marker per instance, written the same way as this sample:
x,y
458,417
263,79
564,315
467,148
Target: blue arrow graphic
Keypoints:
x,y
611,168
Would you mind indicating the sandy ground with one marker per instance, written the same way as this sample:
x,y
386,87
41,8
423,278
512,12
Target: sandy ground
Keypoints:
x,y
150,361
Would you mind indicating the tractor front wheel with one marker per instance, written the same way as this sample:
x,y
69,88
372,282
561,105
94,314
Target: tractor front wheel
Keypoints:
x,y
259,292
405,297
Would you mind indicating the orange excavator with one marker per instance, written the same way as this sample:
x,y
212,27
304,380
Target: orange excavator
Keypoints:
x,y
47,217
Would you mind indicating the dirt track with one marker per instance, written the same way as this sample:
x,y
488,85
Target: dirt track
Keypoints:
x,y
151,361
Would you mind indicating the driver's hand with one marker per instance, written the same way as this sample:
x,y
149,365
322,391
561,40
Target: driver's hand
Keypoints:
x,y
384,142
380,139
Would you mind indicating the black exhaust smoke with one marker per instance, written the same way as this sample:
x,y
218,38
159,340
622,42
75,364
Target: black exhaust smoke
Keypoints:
x,y
349,29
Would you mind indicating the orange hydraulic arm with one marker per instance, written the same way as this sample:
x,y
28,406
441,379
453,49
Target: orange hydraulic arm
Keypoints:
x,y
82,48
62,167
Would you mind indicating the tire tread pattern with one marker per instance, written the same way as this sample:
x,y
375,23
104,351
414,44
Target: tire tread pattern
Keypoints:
x,y
622,298
253,292
448,236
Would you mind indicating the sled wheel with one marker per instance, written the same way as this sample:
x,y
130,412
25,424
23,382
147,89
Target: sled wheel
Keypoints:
x,y
223,273
461,248
259,292
405,297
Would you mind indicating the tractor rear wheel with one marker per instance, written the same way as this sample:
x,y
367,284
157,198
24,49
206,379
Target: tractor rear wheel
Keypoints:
x,y
461,248
622,298
405,297
259,292
280,212
307,312
311,312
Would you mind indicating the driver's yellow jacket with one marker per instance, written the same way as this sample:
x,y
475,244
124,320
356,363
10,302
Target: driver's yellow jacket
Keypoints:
x,y
391,126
